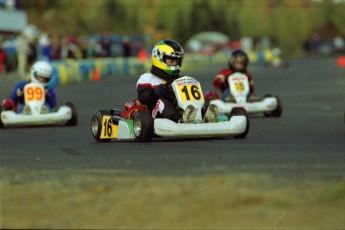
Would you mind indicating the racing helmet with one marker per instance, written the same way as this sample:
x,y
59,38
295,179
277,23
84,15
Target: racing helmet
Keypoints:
x,y
239,60
168,49
41,72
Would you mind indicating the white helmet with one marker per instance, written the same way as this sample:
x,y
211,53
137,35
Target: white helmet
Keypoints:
x,y
41,72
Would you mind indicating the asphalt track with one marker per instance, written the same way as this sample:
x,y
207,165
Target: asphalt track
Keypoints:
x,y
308,141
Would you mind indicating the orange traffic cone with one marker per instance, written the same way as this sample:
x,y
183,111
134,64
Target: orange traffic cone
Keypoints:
x,y
96,75
142,55
341,61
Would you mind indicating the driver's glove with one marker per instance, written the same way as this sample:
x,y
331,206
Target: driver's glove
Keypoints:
x,y
19,92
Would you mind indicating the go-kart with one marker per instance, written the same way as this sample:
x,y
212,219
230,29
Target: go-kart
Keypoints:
x,y
269,105
135,122
33,114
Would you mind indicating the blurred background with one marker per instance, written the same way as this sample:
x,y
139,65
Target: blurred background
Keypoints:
x,y
81,29
222,184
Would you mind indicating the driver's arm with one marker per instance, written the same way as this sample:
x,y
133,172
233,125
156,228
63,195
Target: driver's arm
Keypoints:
x,y
147,96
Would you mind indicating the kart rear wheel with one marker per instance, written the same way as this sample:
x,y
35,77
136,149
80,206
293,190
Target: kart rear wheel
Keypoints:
x,y
74,118
96,125
277,112
239,111
143,126
1,124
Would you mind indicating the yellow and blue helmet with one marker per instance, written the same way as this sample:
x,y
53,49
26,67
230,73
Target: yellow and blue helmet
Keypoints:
x,y
167,49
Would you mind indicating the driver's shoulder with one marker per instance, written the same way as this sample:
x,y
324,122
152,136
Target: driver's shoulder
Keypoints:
x,y
150,78
21,84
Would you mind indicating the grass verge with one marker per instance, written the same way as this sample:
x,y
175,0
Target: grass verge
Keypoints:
x,y
118,200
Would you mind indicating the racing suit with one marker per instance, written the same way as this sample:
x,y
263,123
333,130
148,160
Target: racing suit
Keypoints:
x,y
159,105
50,99
221,82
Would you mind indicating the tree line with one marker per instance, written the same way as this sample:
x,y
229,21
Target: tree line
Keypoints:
x,y
288,22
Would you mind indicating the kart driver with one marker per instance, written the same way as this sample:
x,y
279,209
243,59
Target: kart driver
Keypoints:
x,y
238,62
41,72
152,90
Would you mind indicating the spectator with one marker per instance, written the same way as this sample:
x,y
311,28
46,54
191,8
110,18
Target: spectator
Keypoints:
x,y
69,48
56,48
315,42
2,56
45,46
32,56
126,47
91,48
339,45
10,53
105,43
22,47
81,49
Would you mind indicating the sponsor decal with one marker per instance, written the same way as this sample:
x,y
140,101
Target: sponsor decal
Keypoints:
x,y
159,107
239,78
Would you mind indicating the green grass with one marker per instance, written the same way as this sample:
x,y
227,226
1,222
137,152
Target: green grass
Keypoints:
x,y
119,200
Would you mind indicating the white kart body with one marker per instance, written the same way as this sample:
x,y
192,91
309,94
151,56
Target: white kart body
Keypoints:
x,y
106,126
167,128
239,88
188,91
34,98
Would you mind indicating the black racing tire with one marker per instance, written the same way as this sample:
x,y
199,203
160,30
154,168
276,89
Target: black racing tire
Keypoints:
x,y
277,112
240,111
73,121
96,125
1,123
143,126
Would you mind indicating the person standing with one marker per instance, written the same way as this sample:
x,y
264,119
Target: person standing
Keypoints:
x,y
105,43
22,47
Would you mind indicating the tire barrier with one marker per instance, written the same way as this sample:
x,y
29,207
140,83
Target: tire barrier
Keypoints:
x,y
71,71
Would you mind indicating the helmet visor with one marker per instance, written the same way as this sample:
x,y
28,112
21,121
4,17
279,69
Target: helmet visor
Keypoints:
x,y
41,78
172,61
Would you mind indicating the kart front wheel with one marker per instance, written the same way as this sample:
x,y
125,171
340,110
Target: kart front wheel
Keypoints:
x,y
277,112
143,126
239,111
74,118
96,125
